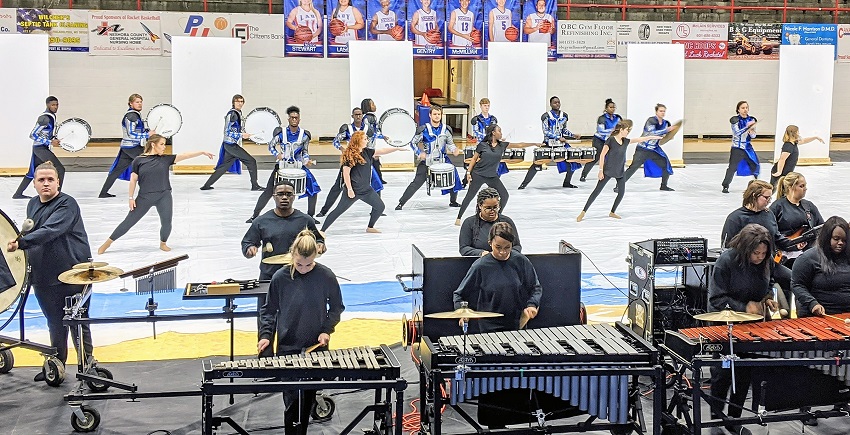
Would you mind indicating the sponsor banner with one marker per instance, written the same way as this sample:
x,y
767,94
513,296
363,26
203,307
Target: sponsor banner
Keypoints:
x,y
66,29
304,28
702,40
843,43
535,15
809,34
426,28
587,39
346,22
754,40
116,33
261,35
7,20
502,22
636,32
384,16
466,28
192,24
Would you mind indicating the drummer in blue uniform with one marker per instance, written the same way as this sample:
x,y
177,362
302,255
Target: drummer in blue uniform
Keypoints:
x,y
743,160
555,134
480,122
431,144
43,137
649,154
293,143
604,126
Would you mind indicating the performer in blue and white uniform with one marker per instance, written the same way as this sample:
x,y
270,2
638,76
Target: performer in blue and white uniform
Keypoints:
x,y
134,133
231,151
43,138
368,108
742,157
432,143
649,154
480,122
604,126
290,147
555,134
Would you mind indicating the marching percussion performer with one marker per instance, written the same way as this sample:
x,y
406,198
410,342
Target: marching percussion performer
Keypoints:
x,y
277,227
613,160
649,154
304,306
231,151
368,108
345,133
474,237
480,122
605,124
290,147
555,134
358,176
151,171
743,160
431,144
790,153
56,243
820,278
134,132
740,282
44,137
794,214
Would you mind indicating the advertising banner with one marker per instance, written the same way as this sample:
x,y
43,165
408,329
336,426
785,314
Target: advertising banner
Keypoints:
x,y
66,29
754,40
346,22
810,34
426,24
843,45
464,29
304,28
116,33
702,40
387,20
587,39
7,20
636,32
261,35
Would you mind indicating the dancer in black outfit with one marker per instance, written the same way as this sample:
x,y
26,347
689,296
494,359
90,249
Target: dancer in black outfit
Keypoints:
x,y
790,153
367,106
43,137
613,158
231,149
474,236
133,133
151,172
604,126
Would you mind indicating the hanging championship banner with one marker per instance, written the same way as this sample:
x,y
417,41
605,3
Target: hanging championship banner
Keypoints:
x,y
346,22
636,32
116,33
66,29
303,28
261,35
754,40
810,34
7,20
426,23
843,43
464,26
540,23
387,20
587,39
502,21
702,40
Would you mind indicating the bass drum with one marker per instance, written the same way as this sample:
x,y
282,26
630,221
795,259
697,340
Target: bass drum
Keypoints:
x,y
397,126
261,124
73,134
14,269
164,119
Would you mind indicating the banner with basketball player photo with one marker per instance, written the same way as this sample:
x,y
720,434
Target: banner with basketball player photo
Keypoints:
x,y
346,22
539,24
387,19
426,23
66,29
464,26
303,28
502,21
117,33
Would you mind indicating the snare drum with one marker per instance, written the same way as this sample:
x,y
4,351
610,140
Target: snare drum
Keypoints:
x,y
442,175
297,177
588,153
513,155
559,154
543,153
16,261
164,119
574,153
397,125
261,123
73,134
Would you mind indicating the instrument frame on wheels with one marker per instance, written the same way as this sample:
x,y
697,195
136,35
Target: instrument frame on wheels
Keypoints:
x,y
168,122
398,126
265,121
73,134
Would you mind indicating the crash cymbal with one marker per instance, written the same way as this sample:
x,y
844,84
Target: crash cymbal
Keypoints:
x,y
728,316
90,265
463,313
274,259
674,128
90,276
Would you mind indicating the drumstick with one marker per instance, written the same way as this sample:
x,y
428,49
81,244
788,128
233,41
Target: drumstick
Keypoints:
x,y
846,321
268,247
312,348
523,320
26,226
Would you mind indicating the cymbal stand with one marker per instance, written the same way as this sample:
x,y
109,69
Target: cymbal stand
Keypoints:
x,y
729,360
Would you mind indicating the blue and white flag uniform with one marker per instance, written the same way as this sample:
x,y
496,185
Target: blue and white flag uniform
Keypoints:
x,y
133,133
741,138
655,127
232,137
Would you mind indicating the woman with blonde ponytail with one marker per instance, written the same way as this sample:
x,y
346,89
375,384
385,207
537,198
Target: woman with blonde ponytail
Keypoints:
x,y
303,306
793,213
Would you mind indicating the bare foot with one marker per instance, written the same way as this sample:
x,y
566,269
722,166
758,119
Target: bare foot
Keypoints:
x,y
104,247
580,217
614,215
373,230
164,247
457,222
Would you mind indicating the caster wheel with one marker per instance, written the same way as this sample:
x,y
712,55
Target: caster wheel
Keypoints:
x,y
97,387
91,421
323,408
54,371
7,361
626,431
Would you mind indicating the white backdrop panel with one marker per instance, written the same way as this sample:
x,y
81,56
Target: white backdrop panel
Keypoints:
x,y
382,71
805,96
25,83
656,74
205,74
516,87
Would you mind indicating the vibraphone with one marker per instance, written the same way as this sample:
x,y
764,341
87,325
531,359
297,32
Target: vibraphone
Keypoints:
x,y
811,351
357,368
593,368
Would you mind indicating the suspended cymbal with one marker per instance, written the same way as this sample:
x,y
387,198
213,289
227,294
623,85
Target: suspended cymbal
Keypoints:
x,y
672,133
90,265
90,276
274,259
463,313
728,316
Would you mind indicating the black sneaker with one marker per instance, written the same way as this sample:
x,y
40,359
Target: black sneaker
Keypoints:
x,y
207,188
39,377
582,179
571,186
21,197
521,186
106,195
667,189
616,189
454,204
398,207
256,188
250,219
725,189
321,214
